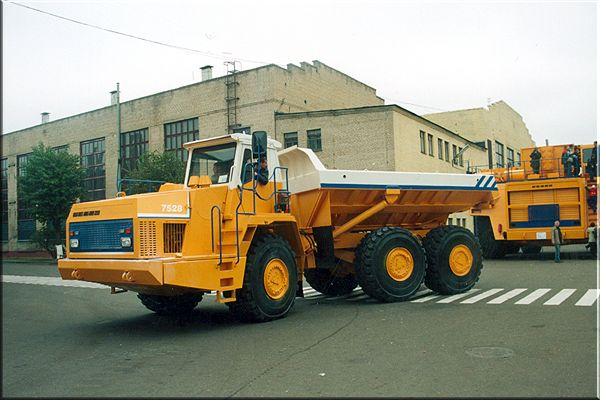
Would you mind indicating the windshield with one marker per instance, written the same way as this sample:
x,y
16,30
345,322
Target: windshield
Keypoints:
x,y
213,161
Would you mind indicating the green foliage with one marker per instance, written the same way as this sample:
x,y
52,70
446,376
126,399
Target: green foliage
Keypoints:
x,y
155,166
52,182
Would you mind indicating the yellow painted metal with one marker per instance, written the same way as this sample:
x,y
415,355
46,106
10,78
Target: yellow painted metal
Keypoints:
x,y
399,264
275,279
460,260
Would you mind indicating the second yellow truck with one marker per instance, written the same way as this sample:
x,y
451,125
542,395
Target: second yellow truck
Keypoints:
x,y
223,230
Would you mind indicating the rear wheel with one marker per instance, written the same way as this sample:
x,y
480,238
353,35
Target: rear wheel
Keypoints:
x,y
270,281
390,264
531,249
454,259
331,282
491,248
171,305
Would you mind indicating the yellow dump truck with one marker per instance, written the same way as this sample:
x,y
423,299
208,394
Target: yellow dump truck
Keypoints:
x,y
251,232
529,200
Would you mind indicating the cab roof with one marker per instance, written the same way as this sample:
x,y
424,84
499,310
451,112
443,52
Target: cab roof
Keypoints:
x,y
225,139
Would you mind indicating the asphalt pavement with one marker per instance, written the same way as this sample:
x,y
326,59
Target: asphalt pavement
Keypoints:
x,y
529,330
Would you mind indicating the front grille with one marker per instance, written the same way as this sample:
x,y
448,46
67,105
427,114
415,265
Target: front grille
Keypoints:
x,y
101,236
147,239
173,237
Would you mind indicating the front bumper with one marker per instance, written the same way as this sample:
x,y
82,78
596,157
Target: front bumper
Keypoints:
x,y
113,272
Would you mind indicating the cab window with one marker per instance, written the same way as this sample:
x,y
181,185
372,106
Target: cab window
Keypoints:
x,y
215,162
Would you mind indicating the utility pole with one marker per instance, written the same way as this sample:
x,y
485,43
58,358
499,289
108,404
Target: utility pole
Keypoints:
x,y
116,99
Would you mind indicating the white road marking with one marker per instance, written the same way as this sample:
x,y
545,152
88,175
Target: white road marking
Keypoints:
x,y
425,299
482,295
457,297
511,294
560,297
50,281
528,299
589,298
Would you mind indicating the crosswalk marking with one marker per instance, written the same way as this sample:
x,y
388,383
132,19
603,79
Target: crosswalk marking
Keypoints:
x,y
481,296
505,297
560,297
425,299
527,300
457,297
588,298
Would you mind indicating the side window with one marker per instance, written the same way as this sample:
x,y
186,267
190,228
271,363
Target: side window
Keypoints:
x,y
247,168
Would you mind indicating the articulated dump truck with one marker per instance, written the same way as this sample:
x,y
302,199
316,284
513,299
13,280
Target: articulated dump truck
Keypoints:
x,y
224,231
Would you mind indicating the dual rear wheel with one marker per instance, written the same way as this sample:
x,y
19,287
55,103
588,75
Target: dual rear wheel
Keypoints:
x,y
391,263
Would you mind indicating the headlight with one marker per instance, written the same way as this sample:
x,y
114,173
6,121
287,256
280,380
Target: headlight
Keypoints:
x,y
73,243
126,242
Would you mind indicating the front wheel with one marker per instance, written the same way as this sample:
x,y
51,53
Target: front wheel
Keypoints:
x,y
390,264
454,259
270,281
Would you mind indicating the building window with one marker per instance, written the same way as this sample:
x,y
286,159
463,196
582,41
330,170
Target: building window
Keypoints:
x,y
291,139
430,144
464,222
440,149
4,167
26,225
314,140
454,155
499,154
133,144
446,151
179,132
510,157
422,142
518,159
92,159
449,221
241,130
61,148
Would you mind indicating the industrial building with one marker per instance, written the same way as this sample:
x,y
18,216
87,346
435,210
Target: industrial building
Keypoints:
x,y
310,105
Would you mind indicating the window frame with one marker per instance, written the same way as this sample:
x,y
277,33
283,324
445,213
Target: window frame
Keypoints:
x,y
176,133
499,155
289,135
430,144
25,221
446,151
440,148
510,161
140,146
422,143
455,161
316,138
97,164
4,194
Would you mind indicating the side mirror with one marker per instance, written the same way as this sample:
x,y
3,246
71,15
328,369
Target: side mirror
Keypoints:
x,y
259,143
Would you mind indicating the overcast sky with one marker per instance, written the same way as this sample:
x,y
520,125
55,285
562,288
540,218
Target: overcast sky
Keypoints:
x,y
538,57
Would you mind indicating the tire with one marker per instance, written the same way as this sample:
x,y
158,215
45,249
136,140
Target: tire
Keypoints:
x,y
406,270
253,302
439,245
329,282
531,249
491,248
171,305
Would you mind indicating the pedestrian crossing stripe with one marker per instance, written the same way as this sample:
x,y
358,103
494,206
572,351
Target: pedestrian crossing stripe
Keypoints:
x,y
496,296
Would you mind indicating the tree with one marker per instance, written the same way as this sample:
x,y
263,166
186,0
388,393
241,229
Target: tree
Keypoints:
x,y
52,181
155,166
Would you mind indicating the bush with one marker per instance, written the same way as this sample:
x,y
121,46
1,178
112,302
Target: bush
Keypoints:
x,y
52,181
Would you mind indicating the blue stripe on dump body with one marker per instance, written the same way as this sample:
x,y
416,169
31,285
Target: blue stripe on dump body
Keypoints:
x,y
411,187
480,180
488,181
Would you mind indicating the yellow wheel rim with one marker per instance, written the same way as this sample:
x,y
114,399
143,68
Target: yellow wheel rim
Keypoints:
x,y
460,260
275,279
399,264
